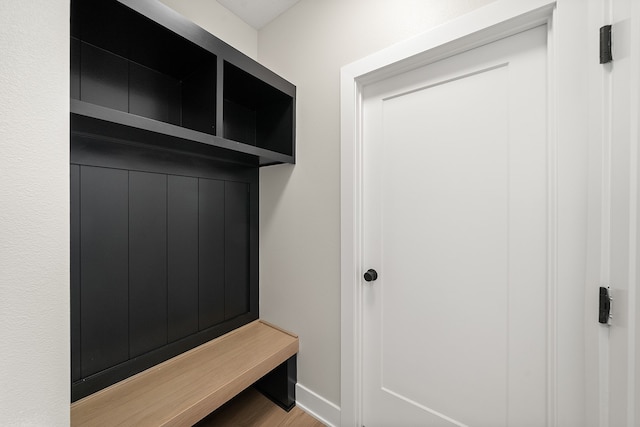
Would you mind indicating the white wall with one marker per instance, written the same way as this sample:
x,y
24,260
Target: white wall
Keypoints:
x,y
299,205
34,213
219,21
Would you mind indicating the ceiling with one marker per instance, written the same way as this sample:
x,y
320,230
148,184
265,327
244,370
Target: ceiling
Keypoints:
x,y
257,13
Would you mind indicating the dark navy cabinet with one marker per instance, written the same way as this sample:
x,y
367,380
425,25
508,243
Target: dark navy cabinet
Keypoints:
x,y
169,126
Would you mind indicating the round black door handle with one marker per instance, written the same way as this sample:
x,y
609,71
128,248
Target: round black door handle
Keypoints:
x,y
370,275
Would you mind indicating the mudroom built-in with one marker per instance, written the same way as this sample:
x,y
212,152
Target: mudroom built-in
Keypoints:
x,y
169,126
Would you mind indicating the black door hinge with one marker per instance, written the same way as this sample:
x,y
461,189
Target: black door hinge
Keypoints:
x,y
605,306
605,44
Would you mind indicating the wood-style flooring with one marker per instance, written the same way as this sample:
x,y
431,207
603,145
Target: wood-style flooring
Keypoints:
x,y
251,409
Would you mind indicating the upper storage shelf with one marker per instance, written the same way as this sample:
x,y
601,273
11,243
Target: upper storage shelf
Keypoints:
x,y
143,73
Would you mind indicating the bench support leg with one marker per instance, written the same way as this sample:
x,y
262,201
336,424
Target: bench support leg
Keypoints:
x,y
279,385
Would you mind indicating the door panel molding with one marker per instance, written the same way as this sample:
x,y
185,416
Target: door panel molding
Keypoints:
x,y
493,22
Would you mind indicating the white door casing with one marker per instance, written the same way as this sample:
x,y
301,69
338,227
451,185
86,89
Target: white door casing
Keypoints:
x,y
566,399
614,189
458,221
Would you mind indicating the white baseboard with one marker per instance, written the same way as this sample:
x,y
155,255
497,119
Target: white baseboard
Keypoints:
x,y
317,406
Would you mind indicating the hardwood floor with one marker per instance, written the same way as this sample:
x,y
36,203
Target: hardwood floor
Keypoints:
x,y
251,409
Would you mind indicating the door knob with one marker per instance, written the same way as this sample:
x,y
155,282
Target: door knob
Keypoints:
x,y
370,275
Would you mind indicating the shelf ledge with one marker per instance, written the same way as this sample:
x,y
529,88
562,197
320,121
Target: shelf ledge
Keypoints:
x,y
104,118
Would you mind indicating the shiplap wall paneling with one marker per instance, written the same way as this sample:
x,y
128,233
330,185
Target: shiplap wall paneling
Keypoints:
x,y
104,247
211,252
163,256
236,249
182,249
76,372
147,262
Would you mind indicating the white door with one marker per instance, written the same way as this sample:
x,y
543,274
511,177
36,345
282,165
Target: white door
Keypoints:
x,y
457,199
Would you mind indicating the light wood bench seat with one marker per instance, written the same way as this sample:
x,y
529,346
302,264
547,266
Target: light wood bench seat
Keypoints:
x,y
186,388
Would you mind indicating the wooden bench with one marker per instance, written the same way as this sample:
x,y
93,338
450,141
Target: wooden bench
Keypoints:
x,y
188,387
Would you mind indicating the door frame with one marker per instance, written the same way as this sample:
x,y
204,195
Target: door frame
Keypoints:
x,y
614,127
567,397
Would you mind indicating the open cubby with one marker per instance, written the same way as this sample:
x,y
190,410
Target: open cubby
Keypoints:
x,y
124,61
256,113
